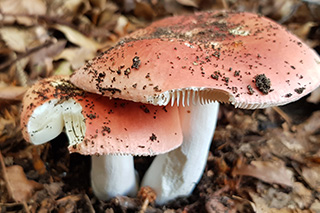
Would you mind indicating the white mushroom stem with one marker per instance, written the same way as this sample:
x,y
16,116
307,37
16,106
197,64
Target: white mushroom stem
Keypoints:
x,y
112,176
176,173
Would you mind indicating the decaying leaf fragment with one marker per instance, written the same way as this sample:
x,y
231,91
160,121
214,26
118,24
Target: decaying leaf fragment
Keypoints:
x,y
267,171
19,187
311,175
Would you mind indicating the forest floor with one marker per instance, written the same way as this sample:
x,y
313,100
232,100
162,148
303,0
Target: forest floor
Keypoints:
x,y
260,161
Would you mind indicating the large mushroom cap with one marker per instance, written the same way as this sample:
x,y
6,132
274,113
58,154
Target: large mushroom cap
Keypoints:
x,y
233,57
96,124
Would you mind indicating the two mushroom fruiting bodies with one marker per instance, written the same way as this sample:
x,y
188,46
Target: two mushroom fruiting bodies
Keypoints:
x,y
239,58
191,61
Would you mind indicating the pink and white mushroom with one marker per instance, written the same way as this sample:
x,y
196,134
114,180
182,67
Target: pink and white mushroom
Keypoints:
x,y
195,61
111,130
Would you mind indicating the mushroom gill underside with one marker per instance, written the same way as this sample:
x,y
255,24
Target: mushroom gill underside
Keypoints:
x,y
51,118
203,95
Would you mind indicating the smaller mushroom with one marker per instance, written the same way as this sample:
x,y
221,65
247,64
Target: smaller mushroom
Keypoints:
x,y
109,129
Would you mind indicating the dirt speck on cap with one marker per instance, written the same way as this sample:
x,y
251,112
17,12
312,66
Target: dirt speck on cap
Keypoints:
x,y
263,83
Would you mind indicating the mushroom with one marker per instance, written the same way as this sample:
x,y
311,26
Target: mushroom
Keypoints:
x,y
109,129
192,61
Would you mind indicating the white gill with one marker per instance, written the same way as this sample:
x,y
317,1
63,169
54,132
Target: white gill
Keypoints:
x,y
48,120
194,95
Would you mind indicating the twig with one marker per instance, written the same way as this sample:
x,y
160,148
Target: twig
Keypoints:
x,y
89,204
25,206
283,115
225,4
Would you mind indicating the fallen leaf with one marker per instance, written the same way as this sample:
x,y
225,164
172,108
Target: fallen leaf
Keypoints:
x,y
18,10
41,62
12,93
64,68
267,171
190,3
78,38
315,207
301,195
222,204
315,96
20,188
121,26
38,163
144,10
77,56
311,175
260,206
17,39
10,131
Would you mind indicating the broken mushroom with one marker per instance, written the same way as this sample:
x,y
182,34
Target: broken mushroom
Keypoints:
x,y
111,130
231,57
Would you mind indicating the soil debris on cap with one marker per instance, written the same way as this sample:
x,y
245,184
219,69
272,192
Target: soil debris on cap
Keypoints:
x,y
263,83
136,62
250,89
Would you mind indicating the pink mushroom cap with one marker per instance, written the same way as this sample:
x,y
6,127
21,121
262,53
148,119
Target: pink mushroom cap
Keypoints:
x,y
233,57
109,126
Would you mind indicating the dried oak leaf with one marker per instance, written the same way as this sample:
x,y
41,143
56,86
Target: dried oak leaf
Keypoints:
x,y
19,187
20,40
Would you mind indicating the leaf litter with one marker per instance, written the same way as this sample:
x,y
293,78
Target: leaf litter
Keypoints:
x,y
259,161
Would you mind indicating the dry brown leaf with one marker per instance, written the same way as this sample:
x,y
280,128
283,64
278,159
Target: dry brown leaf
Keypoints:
x,y
76,56
315,96
10,131
121,26
260,206
68,9
144,10
312,176
41,62
190,3
19,186
18,10
267,171
38,163
19,40
64,68
99,3
315,207
78,38
301,195
12,93
311,125
216,205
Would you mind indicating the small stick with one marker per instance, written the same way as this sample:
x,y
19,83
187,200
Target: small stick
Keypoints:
x,y
283,115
